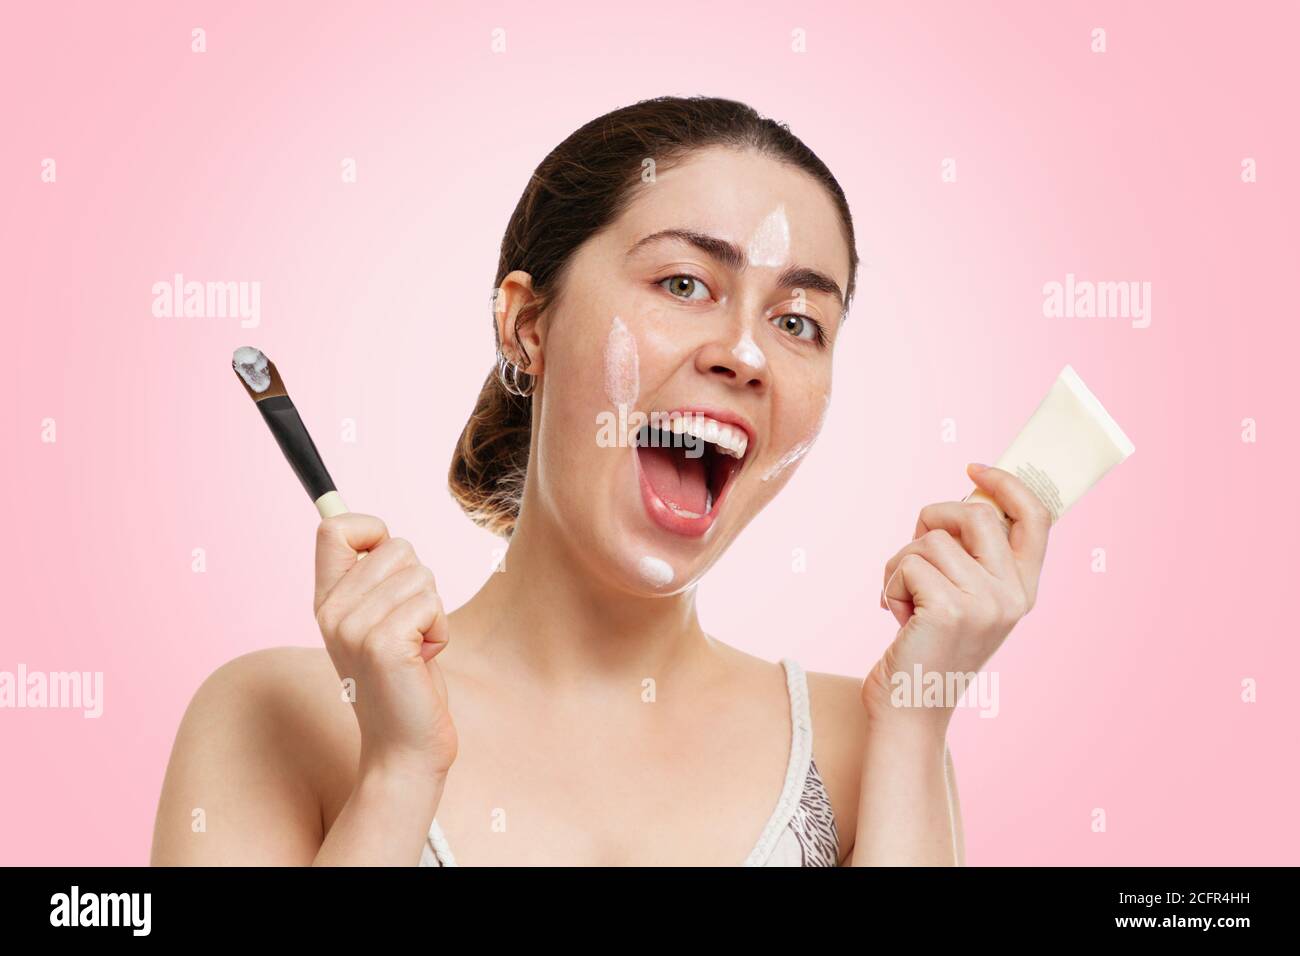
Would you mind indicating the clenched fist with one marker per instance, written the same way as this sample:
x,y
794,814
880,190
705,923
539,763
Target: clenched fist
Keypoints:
x,y
383,623
959,588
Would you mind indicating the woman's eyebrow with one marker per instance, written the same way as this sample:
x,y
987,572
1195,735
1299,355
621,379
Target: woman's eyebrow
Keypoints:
x,y
732,257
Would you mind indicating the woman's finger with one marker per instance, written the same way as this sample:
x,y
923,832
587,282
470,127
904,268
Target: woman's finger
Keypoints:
x,y
405,629
377,603
943,551
388,558
338,540
916,583
1030,519
978,527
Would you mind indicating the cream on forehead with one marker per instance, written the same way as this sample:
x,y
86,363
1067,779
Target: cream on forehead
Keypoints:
x,y
622,369
800,449
747,351
655,571
770,244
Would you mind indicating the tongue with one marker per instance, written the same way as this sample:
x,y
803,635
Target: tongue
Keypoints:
x,y
676,478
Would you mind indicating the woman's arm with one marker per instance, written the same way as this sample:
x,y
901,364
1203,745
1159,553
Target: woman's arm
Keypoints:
x,y
956,590
245,780
241,787
907,807
876,799
384,822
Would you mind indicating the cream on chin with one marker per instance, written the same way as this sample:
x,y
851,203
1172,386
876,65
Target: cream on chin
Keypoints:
x,y
655,571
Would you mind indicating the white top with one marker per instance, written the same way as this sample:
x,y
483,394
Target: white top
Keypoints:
x,y
801,829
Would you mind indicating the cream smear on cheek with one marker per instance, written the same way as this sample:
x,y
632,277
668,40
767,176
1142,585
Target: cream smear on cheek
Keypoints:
x,y
655,571
622,369
770,244
622,385
801,448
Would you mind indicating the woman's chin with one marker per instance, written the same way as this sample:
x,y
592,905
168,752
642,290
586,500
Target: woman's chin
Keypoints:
x,y
660,550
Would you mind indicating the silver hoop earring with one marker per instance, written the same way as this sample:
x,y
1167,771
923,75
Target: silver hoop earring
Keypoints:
x,y
508,374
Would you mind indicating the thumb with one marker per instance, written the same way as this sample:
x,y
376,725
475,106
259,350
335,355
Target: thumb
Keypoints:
x,y
338,541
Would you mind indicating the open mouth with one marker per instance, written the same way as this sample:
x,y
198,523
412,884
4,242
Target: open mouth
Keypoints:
x,y
686,463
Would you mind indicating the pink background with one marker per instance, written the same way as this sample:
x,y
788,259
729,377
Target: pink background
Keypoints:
x,y
1121,691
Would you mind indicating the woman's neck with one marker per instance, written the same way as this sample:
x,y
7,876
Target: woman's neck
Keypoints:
x,y
552,617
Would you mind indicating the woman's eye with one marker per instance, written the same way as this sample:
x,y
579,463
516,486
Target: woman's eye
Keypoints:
x,y
798,326
685,287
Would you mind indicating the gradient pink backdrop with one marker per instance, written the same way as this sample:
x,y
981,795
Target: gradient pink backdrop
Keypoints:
x,y
1121,691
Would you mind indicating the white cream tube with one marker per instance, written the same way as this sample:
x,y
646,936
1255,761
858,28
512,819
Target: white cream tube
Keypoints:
x,y
1066,446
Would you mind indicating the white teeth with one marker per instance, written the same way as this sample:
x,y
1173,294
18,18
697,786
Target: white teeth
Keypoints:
x,y
729,439
708,501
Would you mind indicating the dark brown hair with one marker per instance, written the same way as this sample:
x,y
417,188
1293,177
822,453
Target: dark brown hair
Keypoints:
x,y
582,186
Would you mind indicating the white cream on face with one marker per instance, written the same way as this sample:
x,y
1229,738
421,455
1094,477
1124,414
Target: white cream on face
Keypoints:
x,y
770,244
622,368
801,448
747,351
655,571
250,365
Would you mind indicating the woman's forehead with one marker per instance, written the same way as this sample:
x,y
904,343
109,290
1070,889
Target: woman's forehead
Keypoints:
x,y
739,197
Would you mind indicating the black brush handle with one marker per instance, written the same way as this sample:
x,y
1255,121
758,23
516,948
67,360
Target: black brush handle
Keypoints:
x,y
291,434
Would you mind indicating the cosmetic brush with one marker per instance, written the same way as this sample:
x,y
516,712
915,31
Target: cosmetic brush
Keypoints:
x,y
260,379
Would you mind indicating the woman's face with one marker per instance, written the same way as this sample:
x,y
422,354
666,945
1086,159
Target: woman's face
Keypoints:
x,y
686,367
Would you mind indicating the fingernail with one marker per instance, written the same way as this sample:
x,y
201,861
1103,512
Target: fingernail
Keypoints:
x,y
976,467
882,600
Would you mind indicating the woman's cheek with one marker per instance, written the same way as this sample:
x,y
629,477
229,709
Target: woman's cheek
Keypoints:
x,y
791,454
657,339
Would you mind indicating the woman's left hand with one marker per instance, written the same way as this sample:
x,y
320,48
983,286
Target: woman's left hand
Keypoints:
x,y
958,589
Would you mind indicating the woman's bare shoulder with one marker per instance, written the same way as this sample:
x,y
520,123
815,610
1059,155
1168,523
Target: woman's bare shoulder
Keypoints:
x,y
287,687
295,694
258,753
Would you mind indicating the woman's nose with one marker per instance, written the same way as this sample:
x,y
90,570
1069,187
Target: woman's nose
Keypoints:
x,y
737,358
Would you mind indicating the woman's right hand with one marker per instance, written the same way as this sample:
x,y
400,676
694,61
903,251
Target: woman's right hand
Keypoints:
x,y
383,623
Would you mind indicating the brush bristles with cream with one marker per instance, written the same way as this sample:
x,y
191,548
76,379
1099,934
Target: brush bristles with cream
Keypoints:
x,y
260,379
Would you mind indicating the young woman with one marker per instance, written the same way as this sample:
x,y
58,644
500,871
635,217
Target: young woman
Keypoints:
x,y
670,290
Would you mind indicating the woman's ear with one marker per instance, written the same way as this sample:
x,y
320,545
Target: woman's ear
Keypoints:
x,y
515,305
